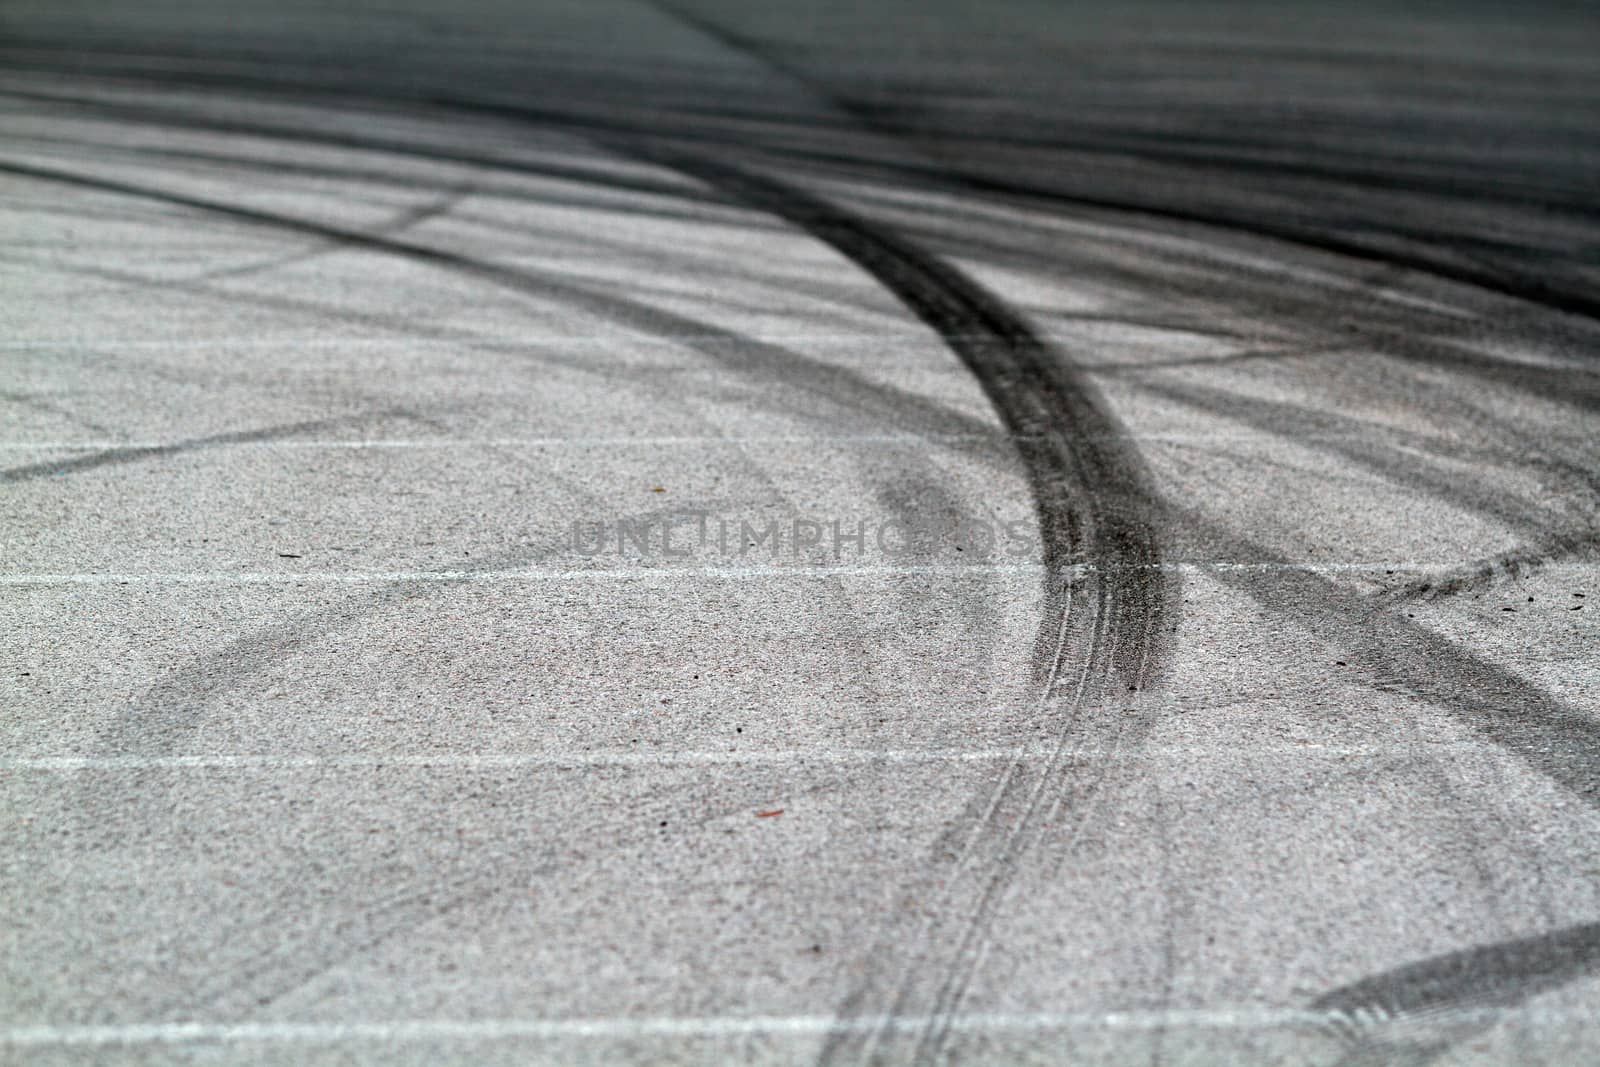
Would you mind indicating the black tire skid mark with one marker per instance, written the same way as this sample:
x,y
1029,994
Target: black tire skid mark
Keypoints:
x,y
186,119
1412,345
1059,788
1519,286
1559,536
1333,314
318,311
177,703
833,385
371,175
1411,361
604,128
322,313
1341,436
1559,741
837,386
1215,157
1329,315
821,388
292,962
1432,657
393,324
1577,388
1236,154
969,957
592,122
1554,544
817,386
1445,999
1511,565
263,648
140,453
1553,538
1265,354
402,222
1549,383
1520,291
1091,498
1549,536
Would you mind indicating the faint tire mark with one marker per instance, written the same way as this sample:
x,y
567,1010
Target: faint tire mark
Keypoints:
x,y
109,457
402,221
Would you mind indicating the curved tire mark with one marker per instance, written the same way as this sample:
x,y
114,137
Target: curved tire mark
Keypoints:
x,y
1454,996
402,221
1511,565
1518,285
1560,741
137,453
1092,495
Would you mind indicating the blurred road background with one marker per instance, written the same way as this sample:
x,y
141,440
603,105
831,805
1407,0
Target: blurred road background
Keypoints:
x,y
840,533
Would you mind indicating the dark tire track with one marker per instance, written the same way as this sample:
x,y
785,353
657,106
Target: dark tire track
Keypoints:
x,y
405,220
110,457
1341,436
1519,285
1556,739
1092,495
1452,997
903,129
1511,565
829,384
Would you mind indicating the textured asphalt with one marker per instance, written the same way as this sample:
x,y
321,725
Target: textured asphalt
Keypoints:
x,y
903,532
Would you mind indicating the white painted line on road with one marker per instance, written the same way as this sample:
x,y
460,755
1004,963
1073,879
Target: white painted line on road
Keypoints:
x,y
512,759
1331,1023
516,442
564,760
630,1028
508,576
932,340
637,573
583,441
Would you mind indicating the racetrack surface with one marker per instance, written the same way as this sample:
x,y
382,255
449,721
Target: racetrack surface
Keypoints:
x,y
905,532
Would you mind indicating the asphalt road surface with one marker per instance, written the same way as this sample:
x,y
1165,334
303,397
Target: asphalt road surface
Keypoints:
x,y
893,532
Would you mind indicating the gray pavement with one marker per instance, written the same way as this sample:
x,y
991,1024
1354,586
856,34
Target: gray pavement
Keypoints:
x,y
599,532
